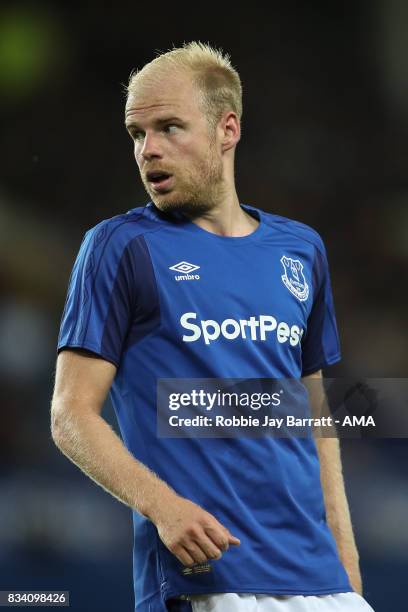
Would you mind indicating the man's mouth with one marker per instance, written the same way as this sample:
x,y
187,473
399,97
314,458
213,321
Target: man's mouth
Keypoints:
x,y
158,179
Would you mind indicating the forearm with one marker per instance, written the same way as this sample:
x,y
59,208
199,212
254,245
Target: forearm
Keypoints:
x,y
337,508
89,442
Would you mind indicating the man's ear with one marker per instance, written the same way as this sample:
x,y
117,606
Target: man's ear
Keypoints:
x,y
231,131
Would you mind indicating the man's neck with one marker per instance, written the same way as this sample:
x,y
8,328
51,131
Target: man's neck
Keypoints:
x,y
227,219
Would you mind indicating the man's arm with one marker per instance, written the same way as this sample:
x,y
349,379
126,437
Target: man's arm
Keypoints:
x,y
82,382
331,475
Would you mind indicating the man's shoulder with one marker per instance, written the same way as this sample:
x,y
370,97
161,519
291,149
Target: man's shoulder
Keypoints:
x,y
122,228
295,228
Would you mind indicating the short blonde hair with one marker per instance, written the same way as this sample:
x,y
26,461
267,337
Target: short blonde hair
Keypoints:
x,y
217,81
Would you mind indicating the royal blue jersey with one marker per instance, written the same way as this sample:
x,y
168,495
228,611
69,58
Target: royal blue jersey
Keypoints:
x,y
162,298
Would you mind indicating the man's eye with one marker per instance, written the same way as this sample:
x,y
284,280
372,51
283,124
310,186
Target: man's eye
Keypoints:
x,y
171,128
137,135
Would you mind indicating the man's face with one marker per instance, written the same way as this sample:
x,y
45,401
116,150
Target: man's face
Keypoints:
x,y
175,148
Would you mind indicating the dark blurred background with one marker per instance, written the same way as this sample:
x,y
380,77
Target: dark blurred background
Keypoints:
x,y
324,141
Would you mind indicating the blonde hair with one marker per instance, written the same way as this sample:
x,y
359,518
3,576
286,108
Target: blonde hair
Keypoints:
x,y
217,81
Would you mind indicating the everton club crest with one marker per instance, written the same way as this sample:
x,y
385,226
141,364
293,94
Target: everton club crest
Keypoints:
x,y
293,278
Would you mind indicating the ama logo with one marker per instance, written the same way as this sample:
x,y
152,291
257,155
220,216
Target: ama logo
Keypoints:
x,y
293,278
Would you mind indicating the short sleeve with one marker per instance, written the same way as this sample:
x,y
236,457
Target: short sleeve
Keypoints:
x,y
320,343
99,303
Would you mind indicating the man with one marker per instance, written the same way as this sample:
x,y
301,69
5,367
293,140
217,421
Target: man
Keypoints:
x,y
195,285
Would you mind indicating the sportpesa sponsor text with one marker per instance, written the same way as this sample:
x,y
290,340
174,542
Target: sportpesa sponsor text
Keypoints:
x,y
254,328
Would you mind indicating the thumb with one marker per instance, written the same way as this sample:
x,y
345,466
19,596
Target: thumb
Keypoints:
x,y
233,540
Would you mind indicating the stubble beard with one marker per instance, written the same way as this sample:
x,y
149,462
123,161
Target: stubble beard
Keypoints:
x,y
198,192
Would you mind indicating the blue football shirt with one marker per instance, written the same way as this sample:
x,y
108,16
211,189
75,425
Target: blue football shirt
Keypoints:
x,y
160,297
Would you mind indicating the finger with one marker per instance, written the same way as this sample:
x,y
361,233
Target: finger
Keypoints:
x,y
229,539
184,556
233,540
195,552
219,536
208,547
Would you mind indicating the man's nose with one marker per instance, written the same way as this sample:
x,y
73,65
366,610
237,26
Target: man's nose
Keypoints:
x,y
151,146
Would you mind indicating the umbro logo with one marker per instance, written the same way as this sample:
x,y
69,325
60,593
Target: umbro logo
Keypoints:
x,y
185,268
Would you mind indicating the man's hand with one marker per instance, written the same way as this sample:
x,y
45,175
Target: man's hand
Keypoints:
x,y
191,533
81,385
